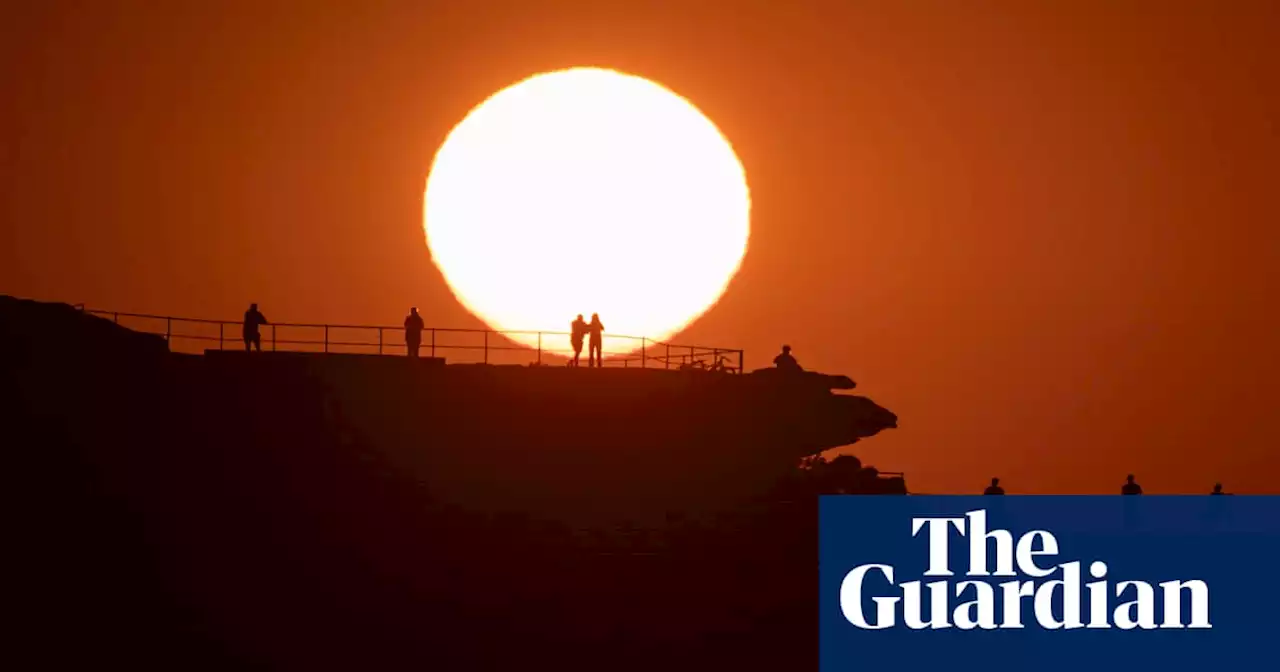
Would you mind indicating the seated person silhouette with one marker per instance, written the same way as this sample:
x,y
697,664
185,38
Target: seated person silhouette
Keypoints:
x,y
413,327
994,488
577,332
1217,489
785,361
1130,488
252,320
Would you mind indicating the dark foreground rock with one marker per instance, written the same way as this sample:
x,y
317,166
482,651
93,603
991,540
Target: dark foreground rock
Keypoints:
x,y
302,512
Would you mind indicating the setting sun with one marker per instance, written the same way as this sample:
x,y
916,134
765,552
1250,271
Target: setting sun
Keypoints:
x,y
587,191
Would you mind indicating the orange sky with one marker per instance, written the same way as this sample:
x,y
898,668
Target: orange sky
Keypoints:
x,y
1042,233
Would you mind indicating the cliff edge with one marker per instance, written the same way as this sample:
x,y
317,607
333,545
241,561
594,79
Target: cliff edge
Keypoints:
x,y
281,510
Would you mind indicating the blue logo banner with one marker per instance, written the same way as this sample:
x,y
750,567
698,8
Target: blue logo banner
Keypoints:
x,y
1049,582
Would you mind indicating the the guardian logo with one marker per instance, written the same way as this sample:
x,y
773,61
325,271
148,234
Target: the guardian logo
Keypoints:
x,y
1051,596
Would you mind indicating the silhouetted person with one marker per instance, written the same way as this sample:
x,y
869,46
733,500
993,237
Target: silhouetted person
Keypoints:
x,y
785,361
994,488
596,344
1130,488
1217,489
413,327
252,320
577,332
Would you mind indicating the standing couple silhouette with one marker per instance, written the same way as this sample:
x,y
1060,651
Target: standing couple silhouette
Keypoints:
x,y
579,329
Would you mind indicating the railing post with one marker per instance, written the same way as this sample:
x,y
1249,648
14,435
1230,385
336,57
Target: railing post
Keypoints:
x,y
486,347
168,329
692,357
740,370
668,357
642,344
539,347
116,317
326,338
433,342
379,340
220,331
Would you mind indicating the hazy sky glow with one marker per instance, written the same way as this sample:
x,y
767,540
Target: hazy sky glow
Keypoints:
x,y
1042,233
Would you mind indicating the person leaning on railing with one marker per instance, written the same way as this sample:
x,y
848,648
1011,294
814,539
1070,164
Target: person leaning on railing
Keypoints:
x,y
577,330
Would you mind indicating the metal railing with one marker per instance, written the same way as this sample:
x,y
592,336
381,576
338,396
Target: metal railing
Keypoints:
x,y
492,346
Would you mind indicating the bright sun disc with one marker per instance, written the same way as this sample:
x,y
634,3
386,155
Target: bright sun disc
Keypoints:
x,y
587,191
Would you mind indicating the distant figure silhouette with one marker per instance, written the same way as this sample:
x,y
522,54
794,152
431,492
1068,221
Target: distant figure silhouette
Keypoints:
x,y
252,320
413,327
785,361
577,331
994,488
1217,489
594,350
1131,488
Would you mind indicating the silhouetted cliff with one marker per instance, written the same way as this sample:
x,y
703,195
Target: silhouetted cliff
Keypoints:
x,y
288,511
